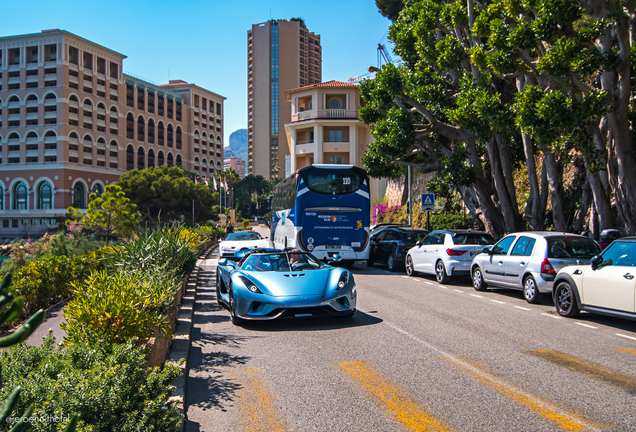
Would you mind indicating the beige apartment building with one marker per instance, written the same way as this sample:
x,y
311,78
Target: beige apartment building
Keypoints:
x,y
281,55
71,122
325,129
237,164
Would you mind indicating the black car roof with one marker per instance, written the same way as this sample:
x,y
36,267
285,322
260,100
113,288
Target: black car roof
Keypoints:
x,y
454,231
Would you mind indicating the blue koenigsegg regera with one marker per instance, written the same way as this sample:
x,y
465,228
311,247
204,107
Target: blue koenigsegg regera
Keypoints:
x,y
266,284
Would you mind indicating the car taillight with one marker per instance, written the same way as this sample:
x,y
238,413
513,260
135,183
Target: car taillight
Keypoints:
x,y
364,243
602,245
546,267
455,252
300,241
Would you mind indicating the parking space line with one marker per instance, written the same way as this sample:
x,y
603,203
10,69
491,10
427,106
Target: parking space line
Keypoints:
x,y
594,370
443,287
258,403
476,295
551,316
459,291
407,277
585,325
429,283
625,336
628,351
522,308
393,397
497,301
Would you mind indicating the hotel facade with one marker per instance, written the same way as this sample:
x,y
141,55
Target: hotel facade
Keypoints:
x,y
71,122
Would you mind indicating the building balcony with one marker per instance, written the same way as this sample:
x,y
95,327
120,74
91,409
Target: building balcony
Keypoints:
x,y
101,88
73,79
336,147
31,103
14,67
32,79
13,105
73,116
14,80
14,154
50,77
31,153
32,116
73,153
14,117
31,141
50,64
50,140
13,141
53,102
325,114
50,115
113,92
101,158
101,123
305,149
50,152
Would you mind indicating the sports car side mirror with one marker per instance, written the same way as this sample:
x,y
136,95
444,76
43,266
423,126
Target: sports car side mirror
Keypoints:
x,y
336,258
223,261
596,261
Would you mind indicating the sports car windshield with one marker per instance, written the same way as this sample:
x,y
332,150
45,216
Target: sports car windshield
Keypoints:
x,y
243,236
281,261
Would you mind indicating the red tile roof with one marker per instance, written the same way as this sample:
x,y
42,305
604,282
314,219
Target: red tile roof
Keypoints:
x,y
332,83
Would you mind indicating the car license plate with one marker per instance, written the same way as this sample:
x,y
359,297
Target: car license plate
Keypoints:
x,y
332,247
303,315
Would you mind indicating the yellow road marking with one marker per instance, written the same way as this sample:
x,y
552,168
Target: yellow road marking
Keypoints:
x,y
258,403
621,380
393,397
561,418
629,351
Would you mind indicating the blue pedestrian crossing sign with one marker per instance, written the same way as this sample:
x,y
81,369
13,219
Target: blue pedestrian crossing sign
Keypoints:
x,y
428,201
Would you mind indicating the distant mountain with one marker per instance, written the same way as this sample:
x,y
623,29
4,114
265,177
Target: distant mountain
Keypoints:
x,y
238,145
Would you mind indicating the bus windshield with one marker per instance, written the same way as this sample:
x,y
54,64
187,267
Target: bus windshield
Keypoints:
x,y
336,183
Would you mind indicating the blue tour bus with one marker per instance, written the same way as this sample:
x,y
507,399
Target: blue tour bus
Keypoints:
x,y
324,210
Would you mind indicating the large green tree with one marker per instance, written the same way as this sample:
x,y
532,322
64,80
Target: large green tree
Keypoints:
x,y
485,88
165,193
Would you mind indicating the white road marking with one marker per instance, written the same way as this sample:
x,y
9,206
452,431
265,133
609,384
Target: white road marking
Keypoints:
x,y
478,296
459,291
522,308
497,301
406,277
585,325
443,287
429,283
551,316
625,336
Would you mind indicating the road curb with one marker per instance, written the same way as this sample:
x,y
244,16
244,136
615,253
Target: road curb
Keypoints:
x,y
179,351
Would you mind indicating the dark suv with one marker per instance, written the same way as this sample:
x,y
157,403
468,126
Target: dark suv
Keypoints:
x,y
391,244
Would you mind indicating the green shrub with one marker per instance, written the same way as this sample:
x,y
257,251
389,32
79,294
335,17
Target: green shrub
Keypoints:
x,y
115,308
46,281
107,385
246,223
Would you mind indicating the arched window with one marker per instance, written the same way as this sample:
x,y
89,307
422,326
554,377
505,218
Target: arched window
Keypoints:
x,y
97,189
160,158
170,160
130,158
179,161
151,158
20,196
140,158
1,198
45,196
79,195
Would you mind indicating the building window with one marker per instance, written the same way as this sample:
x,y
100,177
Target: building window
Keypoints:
x,y
335,159
79,199
20,196
1,198
98,189
45,196
335,135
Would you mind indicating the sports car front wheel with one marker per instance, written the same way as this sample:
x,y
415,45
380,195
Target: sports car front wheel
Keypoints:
x,y
235,319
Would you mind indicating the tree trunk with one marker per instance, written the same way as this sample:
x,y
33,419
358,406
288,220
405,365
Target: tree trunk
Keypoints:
x,y
581,212
555,181
599,191
534,213
510,213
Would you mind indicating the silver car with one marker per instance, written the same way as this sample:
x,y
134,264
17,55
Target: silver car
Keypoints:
x,y
529,261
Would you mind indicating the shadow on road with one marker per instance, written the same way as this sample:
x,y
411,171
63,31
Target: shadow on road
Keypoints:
x,y
312,324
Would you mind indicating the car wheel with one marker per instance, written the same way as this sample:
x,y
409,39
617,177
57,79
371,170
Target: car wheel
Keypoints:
x,y
478,280
370,261
410,270
440,272
565,301
391,264
531,291
235,319
218,290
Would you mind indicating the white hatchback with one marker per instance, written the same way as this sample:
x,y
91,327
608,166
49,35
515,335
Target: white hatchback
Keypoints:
x,y
606,286
446,253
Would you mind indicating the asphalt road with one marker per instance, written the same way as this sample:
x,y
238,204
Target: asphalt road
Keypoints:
x,y
416,356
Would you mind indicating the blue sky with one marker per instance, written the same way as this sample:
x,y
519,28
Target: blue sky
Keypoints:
x,y
205,42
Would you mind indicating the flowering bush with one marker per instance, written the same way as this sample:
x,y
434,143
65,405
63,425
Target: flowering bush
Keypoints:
x,y
383,213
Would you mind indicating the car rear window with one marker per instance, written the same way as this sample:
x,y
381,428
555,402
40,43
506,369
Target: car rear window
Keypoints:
x,y
243,236
572,247
473,239
413,236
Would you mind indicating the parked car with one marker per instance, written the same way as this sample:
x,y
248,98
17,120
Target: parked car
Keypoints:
x,y
606,286
243,240
608,236
390,245
530,261
379,227
446,253
268,283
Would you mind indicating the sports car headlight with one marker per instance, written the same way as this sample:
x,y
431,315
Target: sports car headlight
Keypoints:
x,y
251,286
344,280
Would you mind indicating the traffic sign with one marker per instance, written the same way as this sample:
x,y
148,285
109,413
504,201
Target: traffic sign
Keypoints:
x,y
428,201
